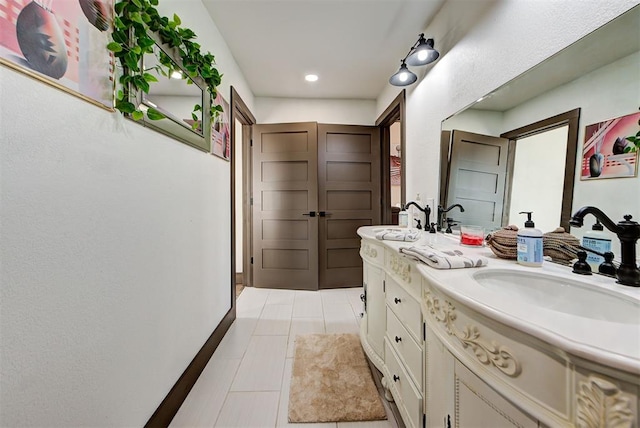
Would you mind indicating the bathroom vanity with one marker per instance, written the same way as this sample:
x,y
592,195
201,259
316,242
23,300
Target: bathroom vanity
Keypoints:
x,y
502,345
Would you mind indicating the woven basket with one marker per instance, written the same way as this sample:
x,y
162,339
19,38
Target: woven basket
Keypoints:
x,y
560,245
504,242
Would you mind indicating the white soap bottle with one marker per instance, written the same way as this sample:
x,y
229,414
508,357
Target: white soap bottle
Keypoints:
x,y
403,217
596,239
529,243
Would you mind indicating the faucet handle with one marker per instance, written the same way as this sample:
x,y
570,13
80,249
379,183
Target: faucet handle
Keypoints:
x,y
581,267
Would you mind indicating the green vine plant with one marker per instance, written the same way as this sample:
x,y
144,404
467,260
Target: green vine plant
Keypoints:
x,y
133,22
635,142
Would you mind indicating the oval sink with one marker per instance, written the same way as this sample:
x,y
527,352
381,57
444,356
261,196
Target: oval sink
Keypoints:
x,y
561,295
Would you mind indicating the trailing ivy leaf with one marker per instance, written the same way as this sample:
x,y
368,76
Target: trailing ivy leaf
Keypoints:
x,y
132,60
137,3
194,116
120,95
176,19
125,106
137,115
154,114
150,77
197,107
136,50
154,2
114,47
119,36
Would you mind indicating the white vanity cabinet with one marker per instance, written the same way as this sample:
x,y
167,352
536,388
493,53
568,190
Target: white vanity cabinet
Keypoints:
x,y
373,323
392,327
484,374
454,354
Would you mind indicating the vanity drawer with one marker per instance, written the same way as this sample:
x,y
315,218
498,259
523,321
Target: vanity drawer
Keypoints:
x,y
407,397
406,347
405,307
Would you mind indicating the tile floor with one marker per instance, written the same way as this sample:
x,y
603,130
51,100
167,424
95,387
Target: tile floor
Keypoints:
x,y
246,383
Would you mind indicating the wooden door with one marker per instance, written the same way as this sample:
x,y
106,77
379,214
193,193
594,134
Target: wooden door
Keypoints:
x,y
285,195
349,196
477,177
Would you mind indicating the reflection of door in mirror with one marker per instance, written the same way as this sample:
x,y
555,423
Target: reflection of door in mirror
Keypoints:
x,y
395,165
477,175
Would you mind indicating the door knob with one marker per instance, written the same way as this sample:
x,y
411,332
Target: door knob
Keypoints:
x,y
324,214
310,214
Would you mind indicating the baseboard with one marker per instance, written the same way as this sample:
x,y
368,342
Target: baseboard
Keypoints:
x,y
239,278
174,399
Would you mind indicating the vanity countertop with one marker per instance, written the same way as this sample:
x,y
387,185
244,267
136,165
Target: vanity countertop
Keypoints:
x,y
615,344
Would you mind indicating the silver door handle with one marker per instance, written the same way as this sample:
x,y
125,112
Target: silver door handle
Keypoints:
x,y
310,214
324,214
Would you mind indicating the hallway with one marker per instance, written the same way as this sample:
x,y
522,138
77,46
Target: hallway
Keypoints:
x,y
246,383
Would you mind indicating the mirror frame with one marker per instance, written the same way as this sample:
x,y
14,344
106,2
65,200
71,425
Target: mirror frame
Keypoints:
x,y
171,125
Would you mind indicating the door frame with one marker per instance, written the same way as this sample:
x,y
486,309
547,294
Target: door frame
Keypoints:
x,y
241,112
395,112
571,119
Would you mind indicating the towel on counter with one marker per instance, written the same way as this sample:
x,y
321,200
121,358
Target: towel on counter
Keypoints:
x,y
407,235
444,258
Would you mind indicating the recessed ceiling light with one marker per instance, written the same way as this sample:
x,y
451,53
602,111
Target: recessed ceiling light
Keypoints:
x,y
311,77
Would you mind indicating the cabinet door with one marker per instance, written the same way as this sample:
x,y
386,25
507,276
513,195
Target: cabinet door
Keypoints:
x,y
376,310
479,406
439,393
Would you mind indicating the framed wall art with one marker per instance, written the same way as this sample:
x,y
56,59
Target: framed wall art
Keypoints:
x,y
62,43
611,148
221,130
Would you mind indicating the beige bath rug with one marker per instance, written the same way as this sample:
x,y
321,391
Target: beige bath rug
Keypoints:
x,y
331,381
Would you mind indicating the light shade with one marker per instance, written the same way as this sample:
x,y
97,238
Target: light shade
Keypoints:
x,y
403,77
423,53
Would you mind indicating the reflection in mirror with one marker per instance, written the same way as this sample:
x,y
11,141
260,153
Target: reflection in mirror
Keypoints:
x,y
595,79
174,94
395,159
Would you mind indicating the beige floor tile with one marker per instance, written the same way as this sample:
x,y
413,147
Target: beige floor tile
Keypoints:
x,y
303,326
281,297
249,410
203,404
339,318
262,365
251,301
234,344
274,320
307,304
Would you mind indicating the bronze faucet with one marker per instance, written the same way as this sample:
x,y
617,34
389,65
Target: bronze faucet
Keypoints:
x,y
628,233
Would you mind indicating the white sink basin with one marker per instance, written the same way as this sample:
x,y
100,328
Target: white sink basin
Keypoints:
x,y
560,294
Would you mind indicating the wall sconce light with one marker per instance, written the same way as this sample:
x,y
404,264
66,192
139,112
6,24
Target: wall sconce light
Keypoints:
x,y
421,53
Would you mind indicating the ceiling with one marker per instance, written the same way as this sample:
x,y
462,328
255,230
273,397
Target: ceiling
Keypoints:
x,y
354,46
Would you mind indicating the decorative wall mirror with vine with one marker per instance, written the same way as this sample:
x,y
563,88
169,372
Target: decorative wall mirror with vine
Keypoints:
x,y
154,53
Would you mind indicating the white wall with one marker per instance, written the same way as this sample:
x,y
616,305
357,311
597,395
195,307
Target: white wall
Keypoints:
x,y
285,110
484,44
115,252
606,93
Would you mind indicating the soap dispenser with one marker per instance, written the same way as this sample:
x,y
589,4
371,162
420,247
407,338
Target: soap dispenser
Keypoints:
x,y
529,243
403,217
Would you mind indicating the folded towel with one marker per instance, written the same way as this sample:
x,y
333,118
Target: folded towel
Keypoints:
x,y
443,259
407,235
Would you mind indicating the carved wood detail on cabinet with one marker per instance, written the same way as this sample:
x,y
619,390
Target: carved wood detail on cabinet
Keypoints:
x,y
602,404
369,251
492,353
401,268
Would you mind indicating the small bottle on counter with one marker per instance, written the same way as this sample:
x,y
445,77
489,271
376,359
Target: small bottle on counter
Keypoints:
x,y
596,239
529,243
403,217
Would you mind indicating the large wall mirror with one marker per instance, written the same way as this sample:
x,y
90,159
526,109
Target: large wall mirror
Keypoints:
x,y
175,95
519,147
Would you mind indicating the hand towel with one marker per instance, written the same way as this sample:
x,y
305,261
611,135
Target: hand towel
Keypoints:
x,y
407,235
444,259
